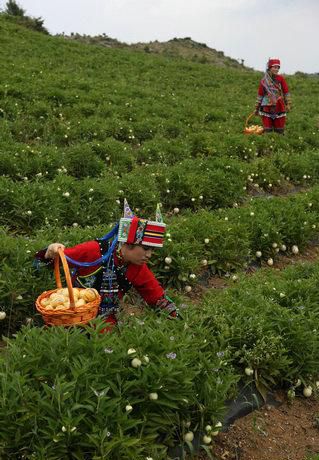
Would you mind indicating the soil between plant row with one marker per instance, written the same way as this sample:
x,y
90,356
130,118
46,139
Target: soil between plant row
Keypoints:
x,y
289,431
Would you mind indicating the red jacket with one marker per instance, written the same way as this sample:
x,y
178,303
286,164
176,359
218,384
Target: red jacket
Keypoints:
x,y
140,276
273,95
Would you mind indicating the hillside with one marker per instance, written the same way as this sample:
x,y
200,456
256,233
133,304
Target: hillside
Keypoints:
x,y
177,47
81,128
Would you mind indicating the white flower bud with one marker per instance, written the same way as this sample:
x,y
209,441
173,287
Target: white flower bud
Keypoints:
x,y
249,371
295,249
207,439
189,436
131,351
128,408
153,396
136,363
307,392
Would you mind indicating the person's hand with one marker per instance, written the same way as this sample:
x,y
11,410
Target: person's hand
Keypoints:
x,y
256,111
288,107
52,250
166,304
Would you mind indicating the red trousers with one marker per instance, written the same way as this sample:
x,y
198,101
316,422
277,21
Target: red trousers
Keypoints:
x,y
277,124
110,322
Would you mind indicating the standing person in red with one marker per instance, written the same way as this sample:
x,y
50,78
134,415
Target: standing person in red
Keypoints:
x,y
118,261
273,100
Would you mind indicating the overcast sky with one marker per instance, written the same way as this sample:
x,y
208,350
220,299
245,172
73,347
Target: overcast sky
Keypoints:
x,y
252,30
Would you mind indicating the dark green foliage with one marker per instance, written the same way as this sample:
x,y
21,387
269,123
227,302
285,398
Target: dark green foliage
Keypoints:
x,y
14,9
76,405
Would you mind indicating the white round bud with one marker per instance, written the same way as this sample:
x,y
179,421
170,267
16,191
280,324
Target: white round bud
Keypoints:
x,y
136,363
207,439
295,249
307,392
131,351
189,436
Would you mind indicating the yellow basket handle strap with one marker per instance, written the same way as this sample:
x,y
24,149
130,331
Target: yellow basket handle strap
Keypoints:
x,y
248,118
57,275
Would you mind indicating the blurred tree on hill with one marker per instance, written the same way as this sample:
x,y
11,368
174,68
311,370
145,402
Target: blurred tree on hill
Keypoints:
x,y
13,10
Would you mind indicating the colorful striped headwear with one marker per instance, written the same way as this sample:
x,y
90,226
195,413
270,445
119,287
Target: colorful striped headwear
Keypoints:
x,y
133,230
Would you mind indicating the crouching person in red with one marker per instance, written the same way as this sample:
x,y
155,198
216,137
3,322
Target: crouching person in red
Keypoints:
x,y
117,262
273,99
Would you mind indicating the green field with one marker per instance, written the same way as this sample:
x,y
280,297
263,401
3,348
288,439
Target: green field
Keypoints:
x,y
82,127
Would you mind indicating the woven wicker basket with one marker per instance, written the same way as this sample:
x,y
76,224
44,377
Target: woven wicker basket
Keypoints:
x,y
252,129
73,315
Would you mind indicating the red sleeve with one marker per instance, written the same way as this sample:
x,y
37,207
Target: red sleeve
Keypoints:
x,y
283,84
260,90
84,252
145,283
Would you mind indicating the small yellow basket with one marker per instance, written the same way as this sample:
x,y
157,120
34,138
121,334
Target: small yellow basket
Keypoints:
x,y
72,315
252,129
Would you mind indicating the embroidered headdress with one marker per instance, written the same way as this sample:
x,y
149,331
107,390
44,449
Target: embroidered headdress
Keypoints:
x,y
134,230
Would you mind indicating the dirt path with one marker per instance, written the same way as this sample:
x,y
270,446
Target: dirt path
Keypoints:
x,y
206,282
287,432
